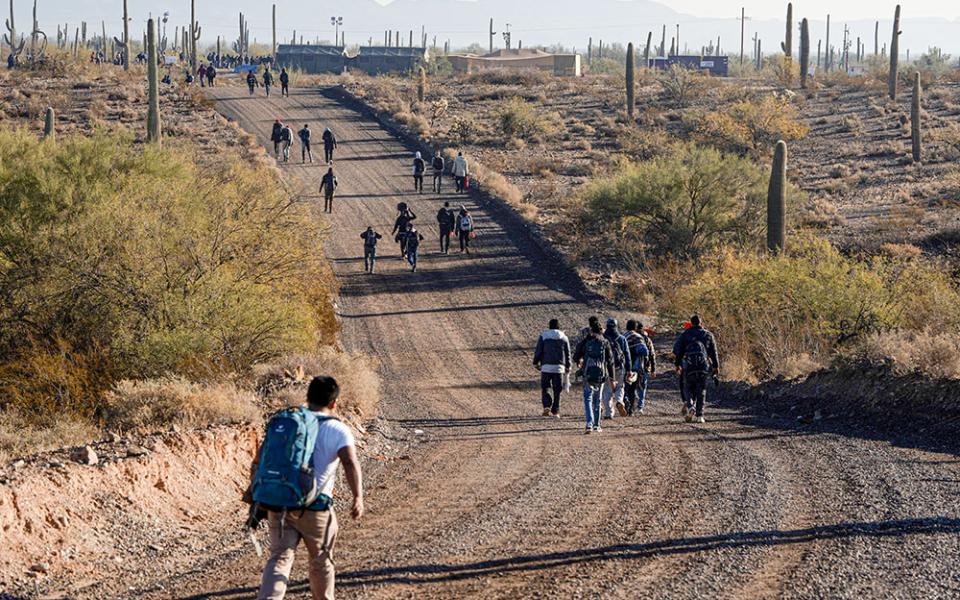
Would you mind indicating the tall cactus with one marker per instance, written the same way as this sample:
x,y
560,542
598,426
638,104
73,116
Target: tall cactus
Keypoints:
x,y
153,104
422,85
631,85
646,51
10,38
125,44
894,55
492,33
663,42
274,53
50,125
804,52
915,125
776,201
194,35
787,45
828,56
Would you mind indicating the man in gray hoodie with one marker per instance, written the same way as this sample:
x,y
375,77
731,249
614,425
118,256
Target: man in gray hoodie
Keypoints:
x,y
552,357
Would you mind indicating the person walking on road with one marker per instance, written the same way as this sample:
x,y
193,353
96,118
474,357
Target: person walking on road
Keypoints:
x,y
328,185
202,74
304,135
329,145
275,137
644,367
370,239
552,358
286,138
316,524
251,81
438,164
267,81
284,83
211,75
412,239
404,217
695,357
419,166
594,357
447,222
464,229
461,172
613,395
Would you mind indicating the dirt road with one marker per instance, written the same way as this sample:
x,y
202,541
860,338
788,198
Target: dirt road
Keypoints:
x,y
494,501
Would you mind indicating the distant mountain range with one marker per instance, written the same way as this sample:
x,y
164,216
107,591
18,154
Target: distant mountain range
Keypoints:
x,y
462,22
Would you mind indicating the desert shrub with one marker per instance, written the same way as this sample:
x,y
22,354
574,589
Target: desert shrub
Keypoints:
x,y
750,126
607,66
138,261
930,352
680,85
19,435
525,77
932,66
784,70
518,118
464,130
685,203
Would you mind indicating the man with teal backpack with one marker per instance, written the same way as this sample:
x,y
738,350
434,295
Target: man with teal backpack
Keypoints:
x,y
294,475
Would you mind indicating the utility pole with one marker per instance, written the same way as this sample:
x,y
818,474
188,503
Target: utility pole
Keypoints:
x,y
743,30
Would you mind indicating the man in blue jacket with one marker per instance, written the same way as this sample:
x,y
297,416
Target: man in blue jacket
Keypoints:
x,y
696,358
552,357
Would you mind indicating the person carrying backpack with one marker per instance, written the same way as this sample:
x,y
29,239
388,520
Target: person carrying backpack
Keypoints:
x,y
552,358
460,172
370,239
267,81
284,83
211,75
412,239
695,357
622,364
328,185
251,81
464,229
594,356
419,166
404,216
304,135
644,367
437,163
275,137
286,138
295,470
329,144
447,222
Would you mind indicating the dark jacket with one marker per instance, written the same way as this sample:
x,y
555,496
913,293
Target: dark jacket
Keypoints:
x,y
329,139
304,135
621,359
607,352
634,338
553,352
446,219
370,238
438,163
267,78
329,182
413,239
275,134
419,166
284,78
400,225
688,337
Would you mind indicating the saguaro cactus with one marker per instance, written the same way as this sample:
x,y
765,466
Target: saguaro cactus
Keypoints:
x,y
894,55
630,80
125,44
50,125
663,42
804,52
776,201
153,104
876,38
194,36
422,85
10,38
827,58
646,50
787,44
915,125
492,33
274,54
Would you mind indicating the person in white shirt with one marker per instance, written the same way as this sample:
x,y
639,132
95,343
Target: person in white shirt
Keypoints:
x,y
317,524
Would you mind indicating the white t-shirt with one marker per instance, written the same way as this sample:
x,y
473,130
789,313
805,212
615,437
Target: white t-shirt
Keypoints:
x,y
333,436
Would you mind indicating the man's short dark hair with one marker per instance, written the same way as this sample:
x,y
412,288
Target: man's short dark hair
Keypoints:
x,y
695,320
593,319
554,324
446,204
595,327
631,325
323,392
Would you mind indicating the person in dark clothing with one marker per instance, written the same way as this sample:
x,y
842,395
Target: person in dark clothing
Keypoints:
x,y
329,145
304,135
437,164
695,357
267,81
328,185
594,357
275,137
612,396
552,358
211,75
251,81
419,166
643,369
412,239
370,239
447,222
202,74
284,83
404,217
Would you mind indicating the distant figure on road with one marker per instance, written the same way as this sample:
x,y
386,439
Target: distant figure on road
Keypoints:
x,y
621,370
464,229
437,163
460,173
412,239
419,166
329,145
304,135
211,75
202,74
594,357
370,239
552,358
267,81
284,83
286,138
404,217
319,438
251,81
447,222
275,137
695,357
328,185
644,366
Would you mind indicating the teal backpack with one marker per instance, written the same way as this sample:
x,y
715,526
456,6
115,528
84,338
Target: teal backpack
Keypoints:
x,y
284,477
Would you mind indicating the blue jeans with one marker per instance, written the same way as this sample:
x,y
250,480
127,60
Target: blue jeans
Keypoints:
x,y
591,404
637,392
412,257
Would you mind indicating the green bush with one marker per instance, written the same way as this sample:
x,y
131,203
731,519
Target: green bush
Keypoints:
x,y
752,126
145,261
685,203
518,118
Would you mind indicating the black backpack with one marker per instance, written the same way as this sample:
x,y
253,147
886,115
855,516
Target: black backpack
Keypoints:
x,y
695,359
594,367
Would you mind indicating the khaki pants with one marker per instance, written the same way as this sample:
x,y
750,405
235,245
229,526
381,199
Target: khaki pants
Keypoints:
x,y
318,530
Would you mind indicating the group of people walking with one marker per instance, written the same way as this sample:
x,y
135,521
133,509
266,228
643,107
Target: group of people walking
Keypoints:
x,y
282,137
616,368
267,78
